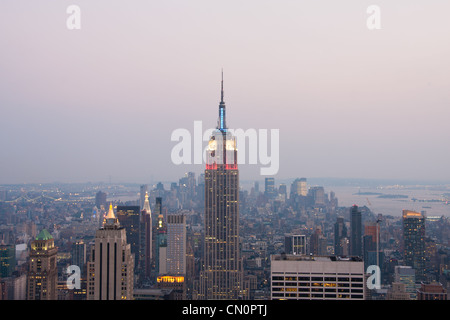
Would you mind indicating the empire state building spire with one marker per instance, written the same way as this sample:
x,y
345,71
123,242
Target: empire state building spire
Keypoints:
x,y
222,124
221,92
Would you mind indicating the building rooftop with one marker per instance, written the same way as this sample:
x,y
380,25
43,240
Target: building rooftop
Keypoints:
x,y
44,235
293,257
411,214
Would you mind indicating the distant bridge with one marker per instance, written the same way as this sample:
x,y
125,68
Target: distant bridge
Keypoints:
x,y
43,197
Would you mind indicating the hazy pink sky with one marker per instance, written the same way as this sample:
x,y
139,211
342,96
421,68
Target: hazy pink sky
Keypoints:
x,y
84,105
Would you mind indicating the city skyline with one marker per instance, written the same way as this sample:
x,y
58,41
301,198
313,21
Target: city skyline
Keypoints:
x,y
100,103
330,246
120,179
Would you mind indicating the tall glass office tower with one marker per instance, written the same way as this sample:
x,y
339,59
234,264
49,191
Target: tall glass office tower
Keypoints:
x,y
414,241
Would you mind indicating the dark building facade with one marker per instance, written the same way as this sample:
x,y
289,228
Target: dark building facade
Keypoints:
x,y
414,242
356,231
340,236
129,218
100,199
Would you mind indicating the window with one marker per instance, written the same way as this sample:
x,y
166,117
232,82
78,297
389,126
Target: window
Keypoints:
x,y
303,284
278,295
343,285
357,285
279,284
291,284
357,291
277,289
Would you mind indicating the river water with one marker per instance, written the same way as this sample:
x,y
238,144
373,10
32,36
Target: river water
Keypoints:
x,y
429,199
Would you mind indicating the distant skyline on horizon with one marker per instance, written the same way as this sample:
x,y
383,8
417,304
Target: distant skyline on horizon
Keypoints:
x,y
101,102
311,181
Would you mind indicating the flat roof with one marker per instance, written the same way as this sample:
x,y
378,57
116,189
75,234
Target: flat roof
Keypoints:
x,y
296,257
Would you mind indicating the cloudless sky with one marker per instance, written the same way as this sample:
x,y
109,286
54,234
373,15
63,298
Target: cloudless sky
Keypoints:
x,y
102,101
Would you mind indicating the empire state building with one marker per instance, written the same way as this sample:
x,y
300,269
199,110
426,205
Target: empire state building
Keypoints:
x,y
221,277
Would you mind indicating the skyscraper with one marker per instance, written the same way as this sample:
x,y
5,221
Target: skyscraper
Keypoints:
x,y
78,255
221,277
295,244
143,190
414,241
269,188
303,187
316,196
318,243
200,195
356,231
43,273
407,276
100,199
111,269
282,191
160,240
176,244
129,218
158,206
372,254
7,260
340,238
187,185
299,187
145,238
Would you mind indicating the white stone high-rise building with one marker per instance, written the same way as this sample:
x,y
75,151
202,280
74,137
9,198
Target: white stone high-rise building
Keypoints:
x,y
111,269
